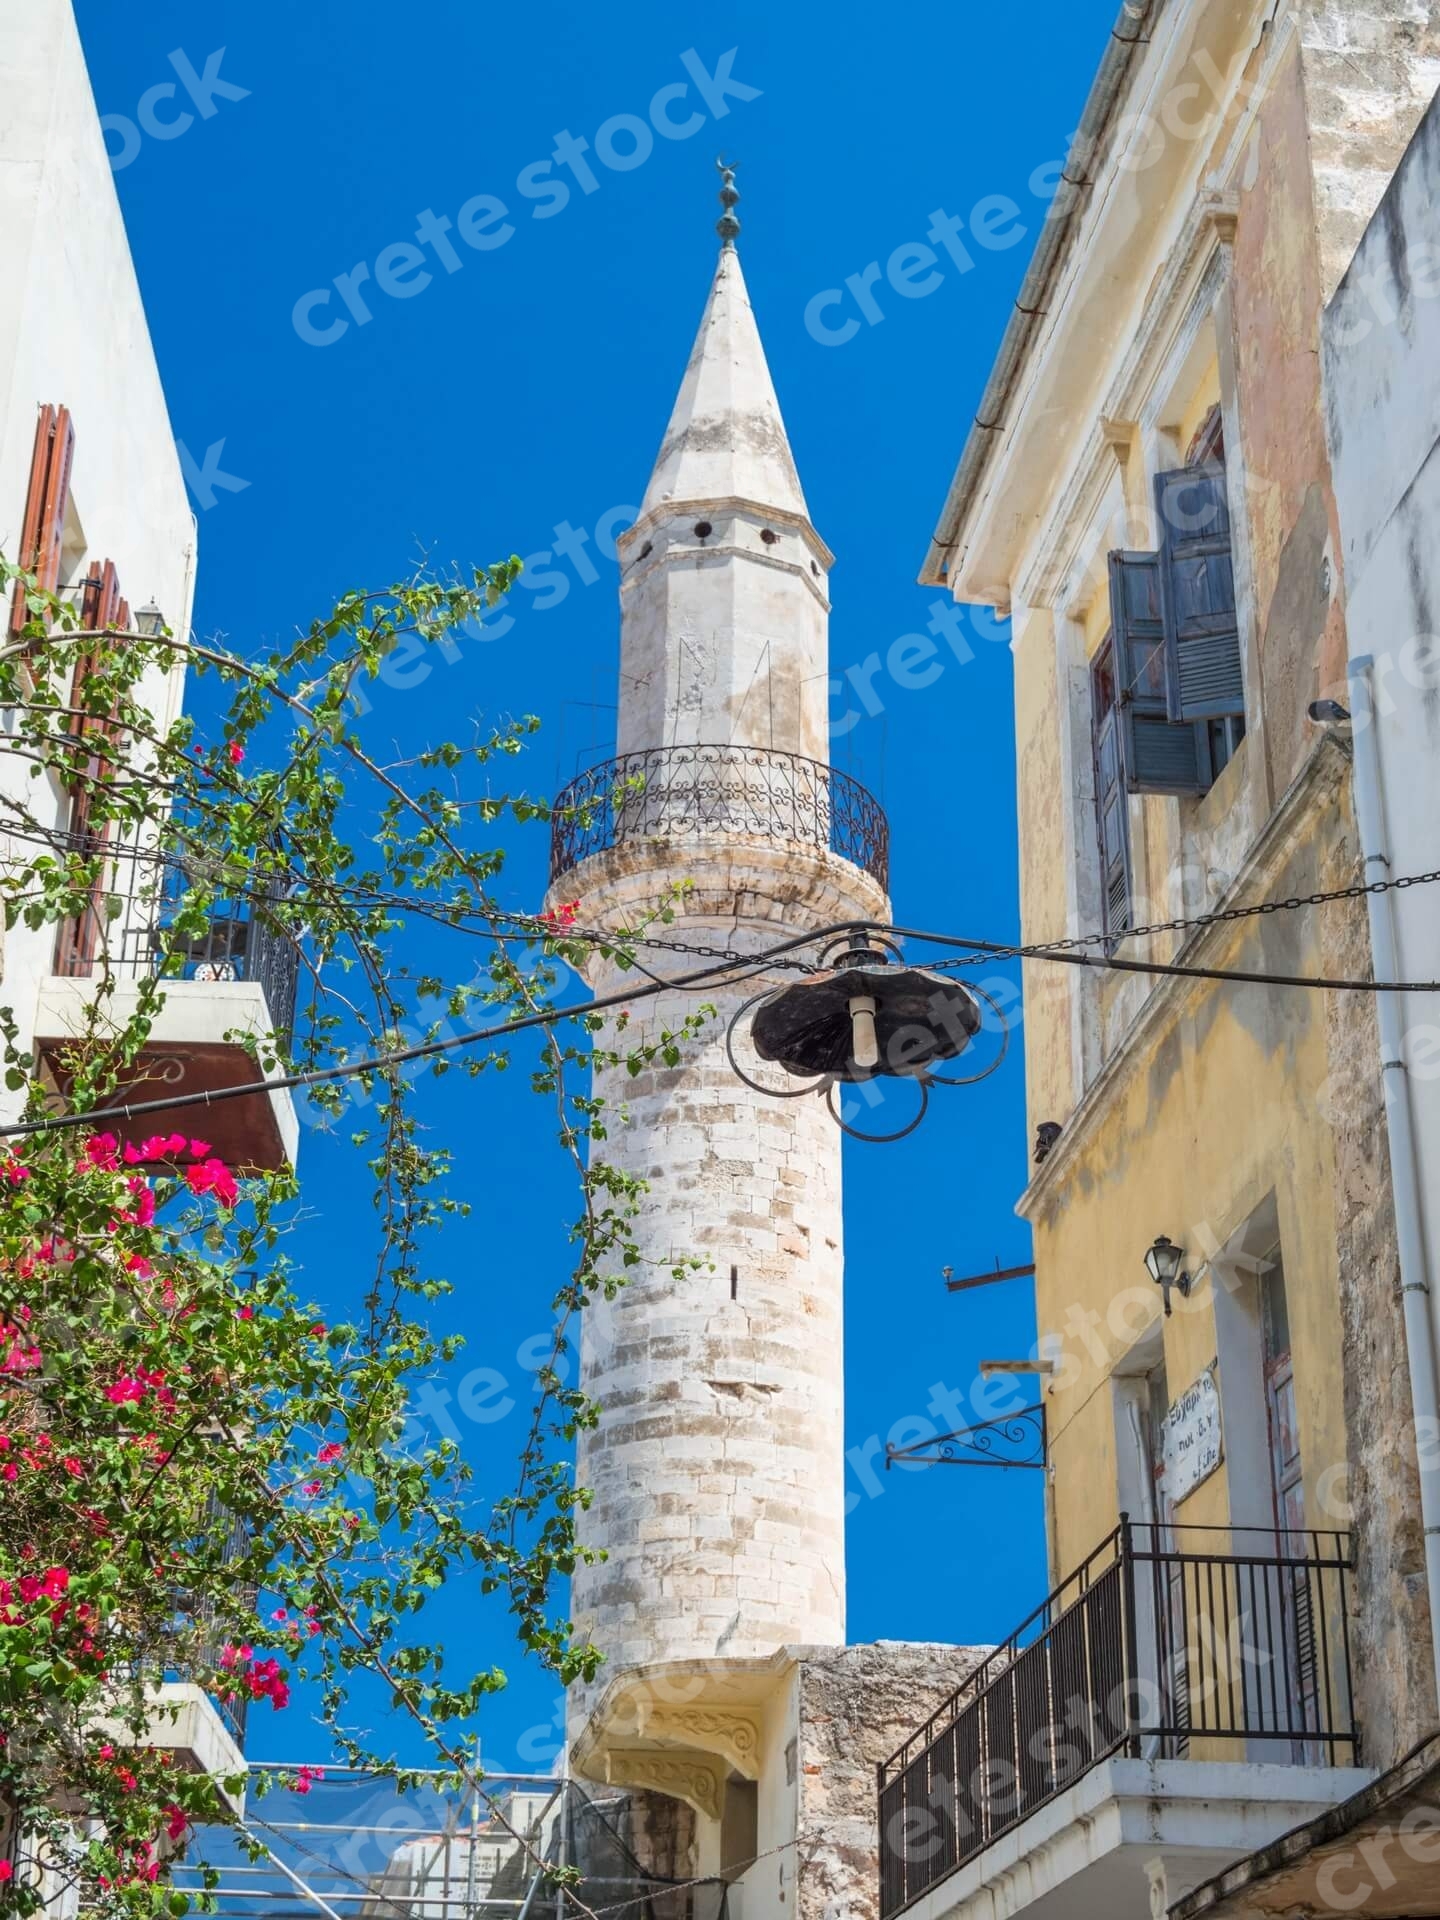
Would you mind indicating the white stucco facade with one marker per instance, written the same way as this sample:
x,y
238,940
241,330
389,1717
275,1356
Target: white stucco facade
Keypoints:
x,y
73,333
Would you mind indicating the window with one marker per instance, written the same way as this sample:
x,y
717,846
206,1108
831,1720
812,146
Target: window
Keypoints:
x,y
1111,805
1176,636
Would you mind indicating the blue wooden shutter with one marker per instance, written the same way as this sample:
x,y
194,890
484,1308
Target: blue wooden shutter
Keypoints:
x,y
1203,680
1158,756
1111,800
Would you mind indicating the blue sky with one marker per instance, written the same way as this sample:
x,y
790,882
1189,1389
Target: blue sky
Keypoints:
x,y
527,390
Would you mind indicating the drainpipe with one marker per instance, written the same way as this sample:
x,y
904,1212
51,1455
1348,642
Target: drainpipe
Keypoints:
x,y
1415,1290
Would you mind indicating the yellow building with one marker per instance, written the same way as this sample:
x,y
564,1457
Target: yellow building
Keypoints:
x,y
1240,1637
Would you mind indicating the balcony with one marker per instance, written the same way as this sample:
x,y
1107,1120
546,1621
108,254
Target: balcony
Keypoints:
x,y
738,792
1183,1698
230,979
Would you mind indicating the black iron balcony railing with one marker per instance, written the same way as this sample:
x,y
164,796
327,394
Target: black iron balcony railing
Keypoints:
x,y
741,791
130,929
1159,1646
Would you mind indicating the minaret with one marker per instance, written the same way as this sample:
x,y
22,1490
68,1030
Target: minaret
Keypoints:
x,y
717,1464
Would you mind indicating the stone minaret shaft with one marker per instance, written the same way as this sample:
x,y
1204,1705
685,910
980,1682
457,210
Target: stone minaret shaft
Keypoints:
x,y
717,1463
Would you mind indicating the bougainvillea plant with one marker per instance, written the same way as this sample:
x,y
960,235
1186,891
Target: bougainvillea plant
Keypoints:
x,y
202,1480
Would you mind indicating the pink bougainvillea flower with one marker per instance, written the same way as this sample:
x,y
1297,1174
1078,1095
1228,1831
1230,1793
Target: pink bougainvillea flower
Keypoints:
x,y
103,1150
201,1149
213,1176
7,1870
73,1467
245,1313
125,1389
332,1450
176,1824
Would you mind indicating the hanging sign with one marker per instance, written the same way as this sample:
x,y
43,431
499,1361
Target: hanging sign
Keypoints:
x,y
1193,1445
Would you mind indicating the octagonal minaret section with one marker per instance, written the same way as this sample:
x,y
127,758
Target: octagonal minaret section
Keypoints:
x,y
716,1467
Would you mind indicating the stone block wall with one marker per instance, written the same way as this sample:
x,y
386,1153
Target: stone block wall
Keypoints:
x,y
855,1707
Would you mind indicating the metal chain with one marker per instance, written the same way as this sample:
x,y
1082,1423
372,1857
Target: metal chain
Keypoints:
x,y
1225,915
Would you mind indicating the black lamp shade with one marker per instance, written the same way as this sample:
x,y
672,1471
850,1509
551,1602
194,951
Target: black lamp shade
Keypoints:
x,y
920,1018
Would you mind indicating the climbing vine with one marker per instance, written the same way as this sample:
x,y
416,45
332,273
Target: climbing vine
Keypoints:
x,y
205,1478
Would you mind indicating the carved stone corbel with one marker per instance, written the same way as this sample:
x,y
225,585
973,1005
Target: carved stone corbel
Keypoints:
x,y
734,1736
699,1782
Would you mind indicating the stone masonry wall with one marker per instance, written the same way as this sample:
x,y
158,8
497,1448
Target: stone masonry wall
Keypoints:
x,y
717,1464
1371,68
856,1706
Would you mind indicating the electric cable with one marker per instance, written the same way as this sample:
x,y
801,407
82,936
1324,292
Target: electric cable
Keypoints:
x,y
380,1063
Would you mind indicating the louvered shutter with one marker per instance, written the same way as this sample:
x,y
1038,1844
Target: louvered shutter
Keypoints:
x,y
80,937
1111,802
46,500
1203,680
1157,755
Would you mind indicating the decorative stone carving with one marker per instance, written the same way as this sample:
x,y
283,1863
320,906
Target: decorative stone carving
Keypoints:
x,y
734,1736
689,1777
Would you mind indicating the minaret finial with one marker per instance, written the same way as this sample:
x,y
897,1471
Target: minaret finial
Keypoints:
x,y
727,226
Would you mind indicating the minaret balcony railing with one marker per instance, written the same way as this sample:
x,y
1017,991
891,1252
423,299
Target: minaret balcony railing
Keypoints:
x,y
719,791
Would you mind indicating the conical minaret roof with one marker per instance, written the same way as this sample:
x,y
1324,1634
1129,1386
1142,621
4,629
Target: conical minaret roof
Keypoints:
x,y
726,439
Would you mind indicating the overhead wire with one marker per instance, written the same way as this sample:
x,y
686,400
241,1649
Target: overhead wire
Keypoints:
x,y
1065,954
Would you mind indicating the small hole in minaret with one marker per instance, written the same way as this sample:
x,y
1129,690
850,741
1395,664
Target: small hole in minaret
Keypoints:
x,y
734,1283
768,537
703,529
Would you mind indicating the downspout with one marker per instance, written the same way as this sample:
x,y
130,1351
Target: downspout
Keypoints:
x,y
1032,302
1415,1290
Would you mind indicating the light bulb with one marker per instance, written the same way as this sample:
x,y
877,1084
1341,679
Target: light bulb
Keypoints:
x,y
866,1047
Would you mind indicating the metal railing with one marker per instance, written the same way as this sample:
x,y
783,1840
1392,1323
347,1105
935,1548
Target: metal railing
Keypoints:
x,y
1158,1646
734,791
131,929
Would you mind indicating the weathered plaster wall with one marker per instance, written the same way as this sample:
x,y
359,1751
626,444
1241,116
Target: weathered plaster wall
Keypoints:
x,y
1381,349
1276,298
1044,807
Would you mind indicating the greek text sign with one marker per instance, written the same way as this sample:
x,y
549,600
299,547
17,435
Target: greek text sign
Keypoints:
x,y
1193,1445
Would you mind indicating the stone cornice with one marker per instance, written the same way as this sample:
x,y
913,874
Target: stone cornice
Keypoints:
x,y
1194,271
732,503
1321,776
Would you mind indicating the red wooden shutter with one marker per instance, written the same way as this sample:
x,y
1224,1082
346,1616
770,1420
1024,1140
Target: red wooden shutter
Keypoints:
x,y
79,938
45,503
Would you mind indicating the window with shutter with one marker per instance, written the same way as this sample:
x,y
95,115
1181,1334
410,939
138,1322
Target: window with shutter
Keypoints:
x,y
1111,805
79,939
1203,680
46,500
1157,756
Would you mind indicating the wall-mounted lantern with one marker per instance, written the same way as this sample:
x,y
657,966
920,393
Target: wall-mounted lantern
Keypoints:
x,y
1162,1261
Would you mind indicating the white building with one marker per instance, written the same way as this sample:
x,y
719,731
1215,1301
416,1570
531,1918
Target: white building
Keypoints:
x,y
92,498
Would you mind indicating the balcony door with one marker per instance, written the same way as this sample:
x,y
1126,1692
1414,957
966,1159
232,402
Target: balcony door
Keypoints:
x,y
1296,1656
1171,1625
